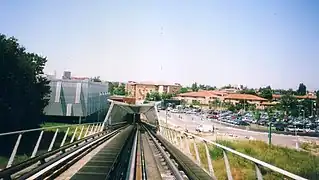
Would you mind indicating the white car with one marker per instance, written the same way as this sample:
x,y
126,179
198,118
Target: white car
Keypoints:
x,y
204,128
174,111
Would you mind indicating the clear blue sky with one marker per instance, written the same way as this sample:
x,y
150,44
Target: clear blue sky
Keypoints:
x,y
249,42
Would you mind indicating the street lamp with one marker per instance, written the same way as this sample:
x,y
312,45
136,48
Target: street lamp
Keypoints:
x,y
166,117
99,107
269,134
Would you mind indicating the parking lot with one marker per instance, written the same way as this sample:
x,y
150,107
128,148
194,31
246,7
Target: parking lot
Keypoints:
x,y
228,125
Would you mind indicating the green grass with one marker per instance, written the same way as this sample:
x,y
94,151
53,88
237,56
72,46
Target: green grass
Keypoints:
x,y
311,147
300,163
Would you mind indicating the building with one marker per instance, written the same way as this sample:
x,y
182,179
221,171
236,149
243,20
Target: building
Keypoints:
x,y
202,97
139,90
249,98
77,98
66,75
208,97
128,100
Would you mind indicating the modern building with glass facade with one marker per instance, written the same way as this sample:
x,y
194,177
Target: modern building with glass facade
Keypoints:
x,y
77,98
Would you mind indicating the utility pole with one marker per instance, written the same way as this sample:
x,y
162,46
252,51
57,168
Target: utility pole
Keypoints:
x,y
166,117
297,139
269,134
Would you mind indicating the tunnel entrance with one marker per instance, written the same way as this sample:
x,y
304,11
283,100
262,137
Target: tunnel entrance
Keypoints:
x,y
130,118
123,112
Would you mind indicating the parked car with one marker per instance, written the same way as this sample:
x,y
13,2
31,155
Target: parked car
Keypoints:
x,y
204,128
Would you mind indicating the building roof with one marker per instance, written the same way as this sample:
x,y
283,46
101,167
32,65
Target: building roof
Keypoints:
x,y
276,96
306,97
203,94
220,93
244,97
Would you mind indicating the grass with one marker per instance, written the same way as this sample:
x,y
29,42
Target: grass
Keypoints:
x,y
311,147
300,163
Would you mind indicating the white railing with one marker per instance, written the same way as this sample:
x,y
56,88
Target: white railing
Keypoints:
x,y
67,134
182,140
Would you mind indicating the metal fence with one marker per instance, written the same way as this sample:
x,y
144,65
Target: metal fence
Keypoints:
x,y
184,141
35,142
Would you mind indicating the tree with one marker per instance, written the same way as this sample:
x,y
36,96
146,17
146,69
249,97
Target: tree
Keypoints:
x,y
194,87
202,86
148,97
306,105
248,91
195,103
183,102
155,96
166,96
119,90
302,89
24,89
111,87
266,92
183,90
288,103
232,108
215,103
210,88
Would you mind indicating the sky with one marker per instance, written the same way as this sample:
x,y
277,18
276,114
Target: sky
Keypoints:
x,y
215,42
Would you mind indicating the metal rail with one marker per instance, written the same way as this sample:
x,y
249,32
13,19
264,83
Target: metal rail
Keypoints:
x,y
181,138
44,128
49,167
53,154
169,162
75,132
133,159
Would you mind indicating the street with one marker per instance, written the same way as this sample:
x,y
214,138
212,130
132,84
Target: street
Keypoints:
x,y
191,121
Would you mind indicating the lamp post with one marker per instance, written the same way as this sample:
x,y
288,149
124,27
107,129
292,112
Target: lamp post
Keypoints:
x,y
99,108
166,117
269,134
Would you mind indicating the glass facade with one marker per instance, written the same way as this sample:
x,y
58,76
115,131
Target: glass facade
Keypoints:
x,y
76,98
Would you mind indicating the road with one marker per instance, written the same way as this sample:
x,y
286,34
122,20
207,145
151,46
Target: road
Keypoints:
x,y
191,121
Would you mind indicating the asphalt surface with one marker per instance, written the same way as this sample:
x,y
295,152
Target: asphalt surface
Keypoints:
x,y
191,121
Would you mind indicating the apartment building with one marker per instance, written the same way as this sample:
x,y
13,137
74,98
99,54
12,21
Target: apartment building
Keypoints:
x,y
203,97
138,90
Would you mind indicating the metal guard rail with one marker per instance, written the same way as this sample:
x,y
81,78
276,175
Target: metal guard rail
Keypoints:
x,y
46,169
170,133
21,166
44,128
131,172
